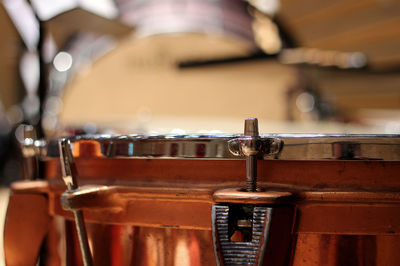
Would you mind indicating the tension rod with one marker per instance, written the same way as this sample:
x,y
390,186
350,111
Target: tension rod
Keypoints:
x,y
251,133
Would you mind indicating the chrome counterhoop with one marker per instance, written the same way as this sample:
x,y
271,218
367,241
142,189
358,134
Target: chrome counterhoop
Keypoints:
x,y
333,147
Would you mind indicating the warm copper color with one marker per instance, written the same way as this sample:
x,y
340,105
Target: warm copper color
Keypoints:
x,y
349,250
342,213
349,218
365,212
235,195
25,228
309,175
117,245
152,206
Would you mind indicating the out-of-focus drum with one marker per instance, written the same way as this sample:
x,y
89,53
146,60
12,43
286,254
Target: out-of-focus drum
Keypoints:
x,y
182,200
196,56
178,50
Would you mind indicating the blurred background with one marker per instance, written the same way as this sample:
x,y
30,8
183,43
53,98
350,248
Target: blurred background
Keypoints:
x,y
195,66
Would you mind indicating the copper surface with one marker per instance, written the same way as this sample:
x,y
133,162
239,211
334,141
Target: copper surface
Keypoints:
x,y
317,212
233,195
351,250
343,213
299,175
152,212
129,245
26,226
349,218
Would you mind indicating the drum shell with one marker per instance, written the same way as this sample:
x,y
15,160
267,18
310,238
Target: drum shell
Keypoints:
x,y
325,239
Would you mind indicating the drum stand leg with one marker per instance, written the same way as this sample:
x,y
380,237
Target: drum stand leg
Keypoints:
x,y
69,177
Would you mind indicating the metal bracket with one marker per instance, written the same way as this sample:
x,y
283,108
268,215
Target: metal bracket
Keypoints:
x,y
242,252
252,228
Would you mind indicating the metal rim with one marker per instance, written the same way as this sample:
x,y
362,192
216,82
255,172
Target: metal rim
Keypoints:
x,y
294,147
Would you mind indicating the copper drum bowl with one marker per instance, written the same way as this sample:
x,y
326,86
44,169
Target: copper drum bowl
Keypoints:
x,y
184,200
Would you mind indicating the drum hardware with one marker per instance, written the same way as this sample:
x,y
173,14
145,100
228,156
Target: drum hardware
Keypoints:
x,y
167,187
242,224
250,248
252,146
69,177
241,231
32,150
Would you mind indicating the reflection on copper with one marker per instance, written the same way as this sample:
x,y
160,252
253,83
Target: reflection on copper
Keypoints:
x,y
87,148
154,244
143,246
349,250
194,250
116,249
73,253
181,257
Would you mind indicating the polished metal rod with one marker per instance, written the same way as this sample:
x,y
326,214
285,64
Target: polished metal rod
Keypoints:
x,y
251,173
251,132
69,177
82,237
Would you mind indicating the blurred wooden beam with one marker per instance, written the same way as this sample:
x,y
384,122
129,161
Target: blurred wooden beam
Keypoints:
x,y
78,20
298,10
382,31
332,11
353,90
369,26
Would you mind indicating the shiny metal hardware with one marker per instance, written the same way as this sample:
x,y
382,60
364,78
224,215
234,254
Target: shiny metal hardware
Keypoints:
x,y
244,249
241,231
31,149
253,146
31,146
69,176
30,162
28,145
249,227
262,147
299,147
250,148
